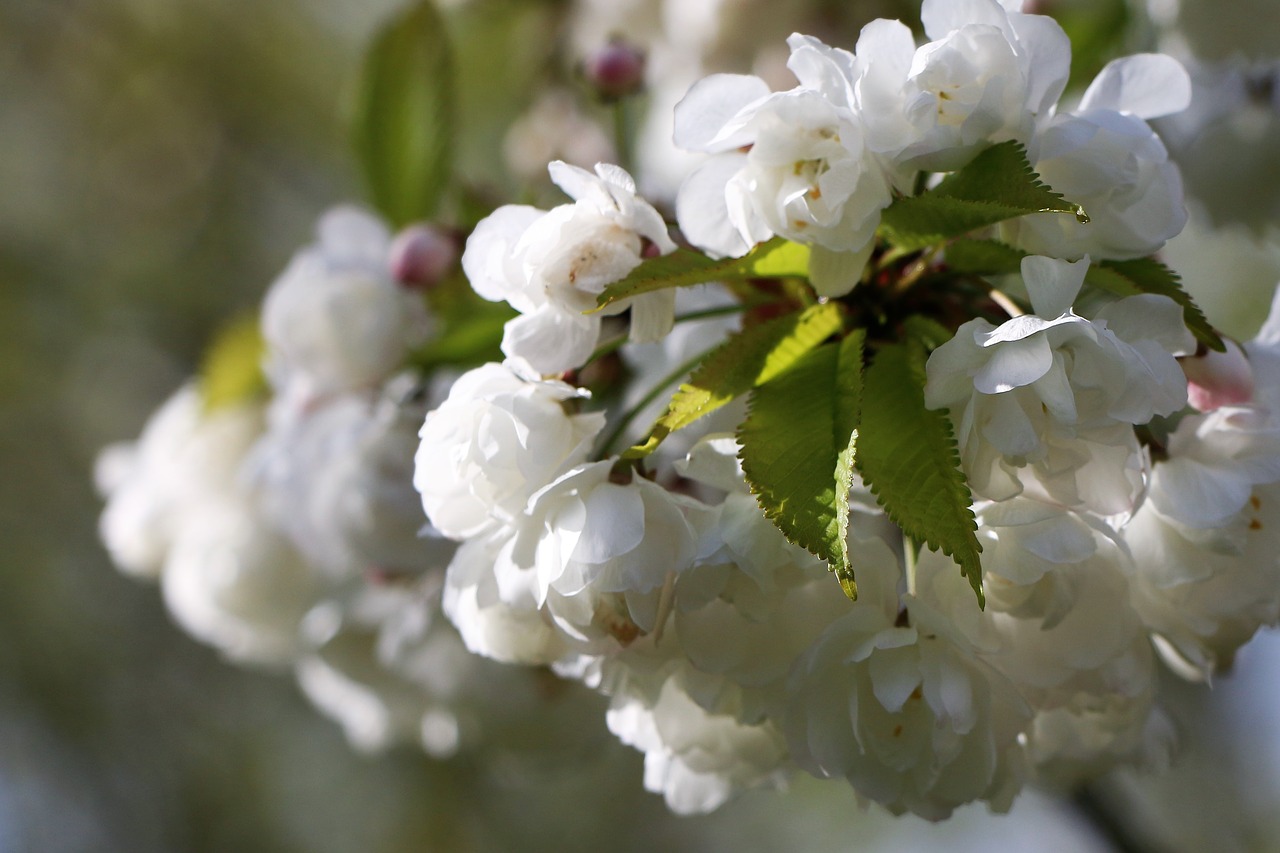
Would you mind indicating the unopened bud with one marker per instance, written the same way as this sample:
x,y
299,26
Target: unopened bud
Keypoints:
x,y
422,255
1218,378
615,70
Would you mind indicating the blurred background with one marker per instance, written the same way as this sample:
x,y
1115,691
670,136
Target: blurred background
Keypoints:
x,y
159,163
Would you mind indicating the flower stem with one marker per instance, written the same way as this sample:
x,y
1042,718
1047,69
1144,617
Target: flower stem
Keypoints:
x,y
606,447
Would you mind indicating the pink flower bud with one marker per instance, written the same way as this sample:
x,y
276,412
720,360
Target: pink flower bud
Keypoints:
x,y
422,255
615,70
1218,378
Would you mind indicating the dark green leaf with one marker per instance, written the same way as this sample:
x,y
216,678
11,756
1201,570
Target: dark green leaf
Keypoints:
x,y
996,185
984,257
907,456
777,258
747,359
1147,275
404,118
798,447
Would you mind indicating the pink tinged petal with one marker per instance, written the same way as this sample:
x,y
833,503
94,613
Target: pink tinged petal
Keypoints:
x,y
1053,284
1147,85
1014,364
1218,379
710,104
836,273
702,209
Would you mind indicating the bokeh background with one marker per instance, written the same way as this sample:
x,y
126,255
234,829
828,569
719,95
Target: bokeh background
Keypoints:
x,y
159,162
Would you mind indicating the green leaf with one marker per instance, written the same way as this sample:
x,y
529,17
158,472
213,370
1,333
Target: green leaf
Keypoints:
x,y
404,117
984,257
778,258
907,456
798,447
1147,275
998,184
747,359
469,329
231,370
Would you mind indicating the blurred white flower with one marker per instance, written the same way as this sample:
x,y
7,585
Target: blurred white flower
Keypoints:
x,y
235,582
154,483
335,320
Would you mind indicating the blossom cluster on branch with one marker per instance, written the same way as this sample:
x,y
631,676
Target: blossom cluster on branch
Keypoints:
x,y
911,333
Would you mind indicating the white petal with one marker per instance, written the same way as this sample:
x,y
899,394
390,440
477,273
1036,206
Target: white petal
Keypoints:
x,y
703,212
552,340
941,17
487,258
709,105
837,273
1148,85
1014,364
1053,284
652,316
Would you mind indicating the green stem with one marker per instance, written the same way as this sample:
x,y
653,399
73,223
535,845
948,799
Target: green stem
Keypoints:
x,y
622,134
606,447
615,343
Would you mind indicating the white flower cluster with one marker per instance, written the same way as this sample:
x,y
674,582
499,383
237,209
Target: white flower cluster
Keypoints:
x,y
1123,481
286,532
818,163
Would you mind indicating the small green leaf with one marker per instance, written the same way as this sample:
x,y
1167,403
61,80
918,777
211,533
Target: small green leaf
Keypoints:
x,y
777,258
798,447
984,257
747,359
1147,275
998,184
907,455
231,370
404,117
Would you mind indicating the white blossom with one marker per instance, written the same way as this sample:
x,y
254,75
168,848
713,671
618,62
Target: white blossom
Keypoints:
x,y
153,484
806,174
1045,401
989,74
1107,159
338,479
335,320
501,435
235,582
895,697
551,265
